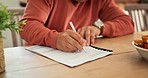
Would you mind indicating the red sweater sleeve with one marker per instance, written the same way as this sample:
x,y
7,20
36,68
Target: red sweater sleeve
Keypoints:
x,y
34,31
116,22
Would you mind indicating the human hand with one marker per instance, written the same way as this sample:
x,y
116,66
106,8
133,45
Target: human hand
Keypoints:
x,y
70,41
89,33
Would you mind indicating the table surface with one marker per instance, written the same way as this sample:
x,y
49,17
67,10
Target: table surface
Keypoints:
x,y
124,63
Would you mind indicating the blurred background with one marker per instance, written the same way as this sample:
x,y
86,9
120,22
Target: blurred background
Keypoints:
x,y
137,9
8,42
11,3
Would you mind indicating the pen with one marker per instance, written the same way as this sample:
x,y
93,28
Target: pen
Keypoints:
x,y
73,28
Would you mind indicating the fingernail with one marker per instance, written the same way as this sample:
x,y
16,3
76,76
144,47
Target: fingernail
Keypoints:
x,y
92,42
84,42
87,44
83,39
80,49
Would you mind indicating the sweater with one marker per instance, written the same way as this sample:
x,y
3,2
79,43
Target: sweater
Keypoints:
x,y
46,19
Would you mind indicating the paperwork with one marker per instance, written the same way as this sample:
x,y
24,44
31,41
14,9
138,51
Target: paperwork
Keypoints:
x,y
69,59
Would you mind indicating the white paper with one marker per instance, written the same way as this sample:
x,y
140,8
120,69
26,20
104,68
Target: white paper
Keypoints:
x,y
68,58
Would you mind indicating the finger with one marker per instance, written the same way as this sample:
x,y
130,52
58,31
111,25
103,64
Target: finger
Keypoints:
x,y
87,36
82,32
77,37
84,41
63,43
68,49
78,31
74,45
70,45
92,37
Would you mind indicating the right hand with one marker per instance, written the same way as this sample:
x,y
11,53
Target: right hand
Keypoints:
x,y
70,41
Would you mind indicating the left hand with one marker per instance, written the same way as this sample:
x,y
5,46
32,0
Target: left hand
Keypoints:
x,y
89,33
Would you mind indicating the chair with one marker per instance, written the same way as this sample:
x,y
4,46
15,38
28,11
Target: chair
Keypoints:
x,y
16,39
139,14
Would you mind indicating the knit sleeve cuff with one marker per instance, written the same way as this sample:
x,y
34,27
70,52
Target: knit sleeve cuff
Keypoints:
x,y
51,40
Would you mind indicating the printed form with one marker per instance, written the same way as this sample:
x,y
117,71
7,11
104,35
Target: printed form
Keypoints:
x,y
67,58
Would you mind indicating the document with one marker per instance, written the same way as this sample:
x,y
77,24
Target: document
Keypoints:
x,y
70,59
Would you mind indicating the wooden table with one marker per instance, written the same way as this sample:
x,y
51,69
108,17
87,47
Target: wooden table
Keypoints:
x,y
124,63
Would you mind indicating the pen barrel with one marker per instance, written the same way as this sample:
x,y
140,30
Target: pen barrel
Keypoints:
x,y
72,26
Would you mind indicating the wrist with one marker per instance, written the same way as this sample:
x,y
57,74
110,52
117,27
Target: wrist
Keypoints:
x,y
101,29
99,25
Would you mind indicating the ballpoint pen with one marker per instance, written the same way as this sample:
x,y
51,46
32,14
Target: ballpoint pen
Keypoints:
x,y
73,28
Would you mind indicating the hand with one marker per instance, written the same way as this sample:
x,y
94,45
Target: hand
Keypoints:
x,y
70,41
89,33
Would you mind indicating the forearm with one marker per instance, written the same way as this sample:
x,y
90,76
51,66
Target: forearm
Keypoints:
x,y
36,34
34,31
116,22
119,26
